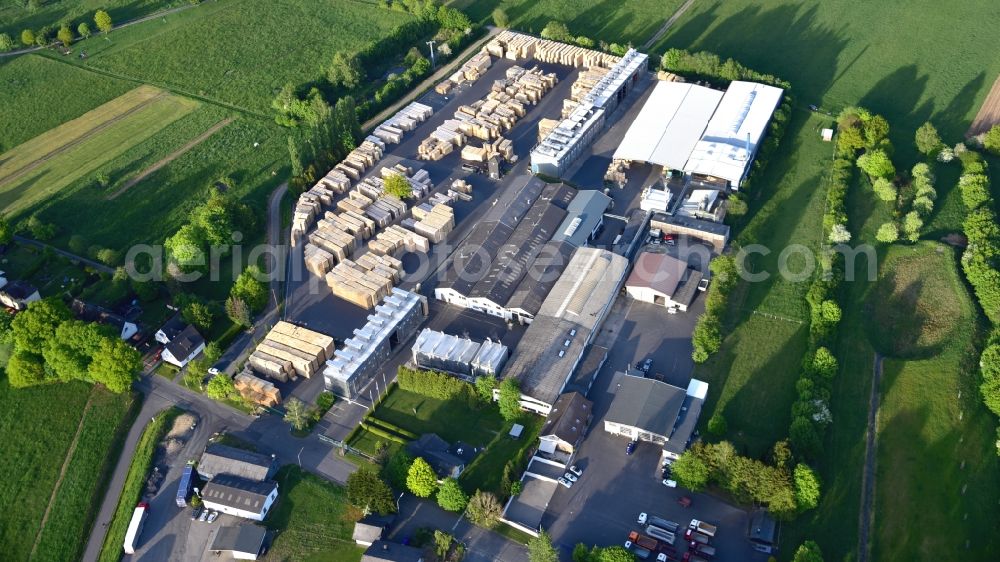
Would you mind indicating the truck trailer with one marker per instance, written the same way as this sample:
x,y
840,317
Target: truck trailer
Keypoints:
x,y
135,527
184,487
703,528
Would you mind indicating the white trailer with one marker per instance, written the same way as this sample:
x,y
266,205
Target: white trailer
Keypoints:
x,y
135,527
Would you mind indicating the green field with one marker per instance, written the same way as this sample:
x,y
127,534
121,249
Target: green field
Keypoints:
x,y
452,420
15,15
33,461
41,168
240,52
486,471
32,105
931,419
621,21
312,519
759,361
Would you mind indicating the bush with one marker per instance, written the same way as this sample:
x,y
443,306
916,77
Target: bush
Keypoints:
x,y
450,496
434,384
367,491
717,425
887,233
991,141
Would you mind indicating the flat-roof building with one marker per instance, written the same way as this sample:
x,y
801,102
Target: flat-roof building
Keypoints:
x,y
730,141
584,217
573,135
669,125
242,542
552,347
355,364
232,495
649,410
714,233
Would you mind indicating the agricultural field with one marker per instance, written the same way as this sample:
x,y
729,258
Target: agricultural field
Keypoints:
x,y
15,15
931,415
32,105
33,462
41,168
240,53
628,21
313,521
759,360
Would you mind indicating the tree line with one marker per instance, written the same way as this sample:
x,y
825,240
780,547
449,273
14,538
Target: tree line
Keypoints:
x,y
52,346
64,33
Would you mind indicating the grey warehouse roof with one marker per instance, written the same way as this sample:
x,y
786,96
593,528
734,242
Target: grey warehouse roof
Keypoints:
x,y
584,213
647,404
541,276
223,459
238,493
385,551
240,538
565,322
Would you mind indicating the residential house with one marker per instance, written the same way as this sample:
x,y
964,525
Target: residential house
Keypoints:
x,y
184,347
448,461
17,294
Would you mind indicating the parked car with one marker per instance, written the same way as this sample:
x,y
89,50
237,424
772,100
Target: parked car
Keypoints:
x,y
672,310
570,476
647,365
669,483
576,471
213,516
195,513
204,515
703,284
565,482
630,448
684,501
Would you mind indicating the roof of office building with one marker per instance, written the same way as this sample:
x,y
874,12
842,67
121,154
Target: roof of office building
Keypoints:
x,y
660,272
238,493
542,274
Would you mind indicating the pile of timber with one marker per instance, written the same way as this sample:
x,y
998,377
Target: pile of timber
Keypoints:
x,y
434,223
668,76
289,350
616,172
501,148
336,182
257,390
517,46
390,240
391,130
546,126
365,282
488,118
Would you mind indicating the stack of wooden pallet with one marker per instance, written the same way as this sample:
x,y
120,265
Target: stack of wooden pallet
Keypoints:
x,y
546,126
517,46
337,181
616,173
501,148
442,141
365,282
257,390
289,350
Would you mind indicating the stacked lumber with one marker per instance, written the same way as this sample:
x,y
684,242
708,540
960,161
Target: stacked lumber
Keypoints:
x,y
616,172
444,87
460,186
586,81
364,286
501,148
668,76
546,126
517,46
435,223
476,66
337,181
488,118
318,260
257,390
391,130
390,240
289,350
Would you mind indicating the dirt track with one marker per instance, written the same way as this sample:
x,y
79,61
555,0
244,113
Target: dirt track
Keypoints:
x,y
989,112
171,157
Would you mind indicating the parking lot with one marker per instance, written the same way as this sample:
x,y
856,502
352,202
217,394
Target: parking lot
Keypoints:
x,y
602,507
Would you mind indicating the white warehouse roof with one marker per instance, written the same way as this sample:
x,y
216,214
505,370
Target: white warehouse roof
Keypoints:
x,y
730,140
669,125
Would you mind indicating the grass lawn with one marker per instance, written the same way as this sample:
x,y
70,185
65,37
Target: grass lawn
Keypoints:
x,y
486,470
614,21
42,167
15,15
312,520
452,420
759,361
26,83
68,526
142,461
241,52
33,460
931,416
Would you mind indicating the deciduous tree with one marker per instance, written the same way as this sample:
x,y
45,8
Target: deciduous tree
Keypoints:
x,y
877,164
484,509
887,233
484,387
27,37
34,327
83,30
6,43
25,369
249,288
991,141
928,140
691,471
221,387
65,35
500,18
398,186
103,21
808,552
345,71
884,189
115,364
540,548
510,399
807,487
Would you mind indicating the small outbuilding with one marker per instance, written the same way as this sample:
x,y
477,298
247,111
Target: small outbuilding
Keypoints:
x,y
371,528
242,542
385,551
